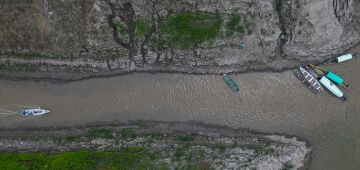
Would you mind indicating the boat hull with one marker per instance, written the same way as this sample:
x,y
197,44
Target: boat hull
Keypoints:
x,y
332,88
231,83
312,81
34,112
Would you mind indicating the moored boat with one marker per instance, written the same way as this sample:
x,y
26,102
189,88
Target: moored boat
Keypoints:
x,y
314,83
231,83
34,111
338,80
332,88
343,58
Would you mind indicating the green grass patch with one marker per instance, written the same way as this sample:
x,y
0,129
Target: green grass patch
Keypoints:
x,y
159,42
99,133
126,158
235,24
181,151
185,138
157,135
142,27
29,56
186,30
120,28
127,134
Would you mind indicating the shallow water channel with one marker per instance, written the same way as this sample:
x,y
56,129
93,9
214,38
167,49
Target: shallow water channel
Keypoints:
x,y
267,102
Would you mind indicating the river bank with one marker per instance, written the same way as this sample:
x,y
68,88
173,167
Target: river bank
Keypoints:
x,y
93,72
69,77
75,41
162,144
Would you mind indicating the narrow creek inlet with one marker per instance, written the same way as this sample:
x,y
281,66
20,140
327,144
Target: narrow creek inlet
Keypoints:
x,y
267,102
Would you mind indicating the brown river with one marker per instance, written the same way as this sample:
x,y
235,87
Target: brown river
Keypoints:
x,y
267,102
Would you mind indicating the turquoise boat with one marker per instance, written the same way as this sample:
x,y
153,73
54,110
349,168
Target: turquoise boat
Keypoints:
x,y
335,78
231,83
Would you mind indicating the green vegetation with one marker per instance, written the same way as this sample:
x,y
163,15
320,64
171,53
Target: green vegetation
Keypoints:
x,y
100,133
142,27
120,28
181,152
150,151
157,135
189,29
233,23
29,56
236,25
127,134
126,158
185,138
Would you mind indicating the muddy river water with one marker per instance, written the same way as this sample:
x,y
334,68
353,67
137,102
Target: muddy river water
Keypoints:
x,y
267,102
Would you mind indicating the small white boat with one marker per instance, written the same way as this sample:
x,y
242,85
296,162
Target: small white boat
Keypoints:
x,y
314,83
34,111
332,88
343,58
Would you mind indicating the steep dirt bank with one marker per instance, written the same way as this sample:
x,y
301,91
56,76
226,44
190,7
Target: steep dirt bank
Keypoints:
x,y
174,143
108,37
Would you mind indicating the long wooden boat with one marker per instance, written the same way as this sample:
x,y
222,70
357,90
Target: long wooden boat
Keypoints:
x,y
313,82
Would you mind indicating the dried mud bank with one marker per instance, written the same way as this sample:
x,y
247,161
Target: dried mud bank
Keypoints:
x,y
175,144
106,37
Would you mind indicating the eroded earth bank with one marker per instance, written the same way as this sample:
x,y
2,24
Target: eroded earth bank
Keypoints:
x,y
203,36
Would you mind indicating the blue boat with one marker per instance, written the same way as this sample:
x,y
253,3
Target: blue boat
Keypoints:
x,y
231,83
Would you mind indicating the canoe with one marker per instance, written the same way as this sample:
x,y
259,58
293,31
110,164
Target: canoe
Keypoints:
x,y
314,83
231,83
